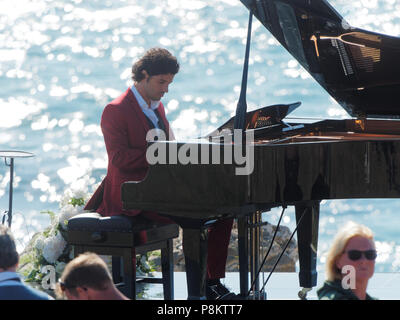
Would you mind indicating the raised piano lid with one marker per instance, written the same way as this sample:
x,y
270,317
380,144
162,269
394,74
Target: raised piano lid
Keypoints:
x,y
358,68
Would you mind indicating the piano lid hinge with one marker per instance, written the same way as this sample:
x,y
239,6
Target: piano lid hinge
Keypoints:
x,y
360,124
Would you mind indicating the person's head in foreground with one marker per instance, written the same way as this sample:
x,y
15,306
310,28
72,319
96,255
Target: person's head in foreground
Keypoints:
x,y
8,252
87,278
350,264
12,286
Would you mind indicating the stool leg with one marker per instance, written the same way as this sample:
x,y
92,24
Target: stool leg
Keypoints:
x,y
167,268
116,269
129,273
78,250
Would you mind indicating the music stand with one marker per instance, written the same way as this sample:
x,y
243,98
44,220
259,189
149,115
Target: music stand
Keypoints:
x,y
12,154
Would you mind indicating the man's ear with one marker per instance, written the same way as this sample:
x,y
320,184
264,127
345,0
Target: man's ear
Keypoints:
x,y
82,290
145,74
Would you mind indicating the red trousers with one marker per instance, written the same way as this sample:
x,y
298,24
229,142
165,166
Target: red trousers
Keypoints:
x,y
219,235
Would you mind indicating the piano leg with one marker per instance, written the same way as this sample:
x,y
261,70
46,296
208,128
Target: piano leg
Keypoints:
x,y
307,238
255,220
243,255
195,251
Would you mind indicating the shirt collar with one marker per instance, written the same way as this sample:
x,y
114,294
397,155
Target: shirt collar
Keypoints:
x,y
8,275
143,104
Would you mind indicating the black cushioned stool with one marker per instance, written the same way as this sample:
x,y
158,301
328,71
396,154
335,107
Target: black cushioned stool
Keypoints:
x,y
117,236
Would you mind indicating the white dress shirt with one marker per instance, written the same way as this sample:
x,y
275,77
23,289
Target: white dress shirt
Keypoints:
x,y
147,110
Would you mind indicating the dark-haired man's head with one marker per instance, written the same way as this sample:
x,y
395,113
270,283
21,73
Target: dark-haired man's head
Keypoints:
x,y
154,62
153,73
8,252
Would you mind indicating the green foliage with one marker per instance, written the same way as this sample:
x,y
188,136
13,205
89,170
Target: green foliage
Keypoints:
x,y
77,201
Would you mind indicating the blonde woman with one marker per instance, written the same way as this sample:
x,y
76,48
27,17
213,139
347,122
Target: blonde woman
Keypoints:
x,y
350,264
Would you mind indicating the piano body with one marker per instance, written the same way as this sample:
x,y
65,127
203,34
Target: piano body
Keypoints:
x,y
296,163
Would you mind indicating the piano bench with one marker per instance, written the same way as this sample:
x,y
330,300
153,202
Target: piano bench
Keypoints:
x,y
121,237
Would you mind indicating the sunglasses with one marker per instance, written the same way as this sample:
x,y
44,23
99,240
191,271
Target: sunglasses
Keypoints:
x,y
355,255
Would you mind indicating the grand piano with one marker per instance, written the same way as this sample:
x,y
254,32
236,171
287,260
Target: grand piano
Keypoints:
x,y
293,163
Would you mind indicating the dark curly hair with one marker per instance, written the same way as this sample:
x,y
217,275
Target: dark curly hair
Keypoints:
x,y
155,61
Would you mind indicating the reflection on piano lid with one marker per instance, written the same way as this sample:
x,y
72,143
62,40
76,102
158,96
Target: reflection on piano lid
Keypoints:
x,y
358,68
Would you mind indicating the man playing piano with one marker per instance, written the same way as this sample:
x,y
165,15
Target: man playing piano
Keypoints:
x,y
125,123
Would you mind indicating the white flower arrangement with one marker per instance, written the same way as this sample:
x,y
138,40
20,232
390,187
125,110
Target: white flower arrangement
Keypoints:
x,y
53,247
50,247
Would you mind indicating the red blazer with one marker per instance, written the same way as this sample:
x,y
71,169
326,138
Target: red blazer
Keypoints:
x,y
124,128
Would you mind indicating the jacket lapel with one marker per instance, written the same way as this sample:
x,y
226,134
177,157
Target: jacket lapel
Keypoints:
x,y
139,113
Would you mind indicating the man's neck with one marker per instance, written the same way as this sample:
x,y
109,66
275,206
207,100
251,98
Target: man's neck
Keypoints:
x,y
142,93
111,293
11,269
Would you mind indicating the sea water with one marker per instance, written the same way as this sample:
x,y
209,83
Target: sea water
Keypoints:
x,y
62,61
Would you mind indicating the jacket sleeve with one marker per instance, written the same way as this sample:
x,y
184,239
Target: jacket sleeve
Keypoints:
x,y
121,154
